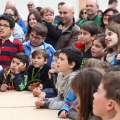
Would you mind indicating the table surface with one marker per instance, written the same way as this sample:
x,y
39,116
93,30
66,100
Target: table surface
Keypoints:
x,y
16,105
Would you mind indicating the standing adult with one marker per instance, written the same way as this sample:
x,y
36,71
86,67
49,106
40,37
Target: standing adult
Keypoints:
x,y
31,7
92,7
70,30
113,4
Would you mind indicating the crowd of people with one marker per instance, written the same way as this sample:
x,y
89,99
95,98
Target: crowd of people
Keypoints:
x,y
69,65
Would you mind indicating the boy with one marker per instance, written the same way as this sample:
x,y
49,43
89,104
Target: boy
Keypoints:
x,y
37,37
39,69
68,63
88,32
8,45
15,76
47,16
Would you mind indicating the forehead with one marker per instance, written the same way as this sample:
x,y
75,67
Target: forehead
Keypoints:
x,y
65,8
91,2
4,22
9,11
16,60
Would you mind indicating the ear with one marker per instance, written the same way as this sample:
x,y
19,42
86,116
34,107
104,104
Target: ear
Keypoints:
x,y
43,38
111,105
12,30
46,60
93,37
72,65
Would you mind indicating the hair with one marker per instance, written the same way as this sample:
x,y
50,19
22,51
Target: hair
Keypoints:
x,y
106,11
112,1
23,57
92,62
117,96
85,84
116,29
46,9
90,27
56,54
40,29
61,3
9,19
113,68
101,38
15,12
42,52
100,11
115,18
38,9
73,55
37,17
80,13
111,83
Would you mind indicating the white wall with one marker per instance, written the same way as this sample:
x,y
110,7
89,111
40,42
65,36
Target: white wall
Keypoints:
x,y
23,11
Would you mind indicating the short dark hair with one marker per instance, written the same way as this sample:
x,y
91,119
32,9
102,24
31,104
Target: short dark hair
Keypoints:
x,y
61,3
90,27
40,29
115,18
43,52
9,19
112,1
38,9
23,57
73,55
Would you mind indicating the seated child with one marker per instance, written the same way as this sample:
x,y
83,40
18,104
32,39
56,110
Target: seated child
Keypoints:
x,y
52,73
68,65
39,69
37,37
53,35
15,76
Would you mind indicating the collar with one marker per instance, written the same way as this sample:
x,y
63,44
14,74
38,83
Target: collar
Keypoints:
x,y
11,38
92,18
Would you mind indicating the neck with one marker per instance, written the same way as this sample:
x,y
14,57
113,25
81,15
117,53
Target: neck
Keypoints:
x,y
92,16
67,72
87,46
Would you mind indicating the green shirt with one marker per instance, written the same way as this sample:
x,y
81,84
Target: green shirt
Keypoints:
x,y
96,19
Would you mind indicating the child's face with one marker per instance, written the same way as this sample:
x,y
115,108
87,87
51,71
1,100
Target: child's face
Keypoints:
x,y
96,49
84,37
38,61
10,12
32,21
63,65
35,40
48,17
100,102
54,64
15,64
5,29
111,39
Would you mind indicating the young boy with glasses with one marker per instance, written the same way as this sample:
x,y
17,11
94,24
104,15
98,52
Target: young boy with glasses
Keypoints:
x,y
8,45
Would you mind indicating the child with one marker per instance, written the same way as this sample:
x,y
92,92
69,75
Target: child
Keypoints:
x,y
8,45
98,46
84,84
37,37
39,69
51,82
104,98
112,41
68,64
15,76
47,16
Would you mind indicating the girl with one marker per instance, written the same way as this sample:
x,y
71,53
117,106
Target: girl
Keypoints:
x,y
33,19
104,98
112,41
84,84
98,46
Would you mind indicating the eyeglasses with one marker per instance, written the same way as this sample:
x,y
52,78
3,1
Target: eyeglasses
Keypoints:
x,y
4,26
9,14
36,38
83,13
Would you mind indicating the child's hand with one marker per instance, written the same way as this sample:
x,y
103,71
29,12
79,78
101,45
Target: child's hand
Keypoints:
x,y
3,87
36,92
39,103
118,57
50,71
63,114
60,27
20,68
41,86
31,88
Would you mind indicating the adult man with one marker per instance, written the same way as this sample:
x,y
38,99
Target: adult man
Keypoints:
x,y
112,4
91,9
70,30
31,6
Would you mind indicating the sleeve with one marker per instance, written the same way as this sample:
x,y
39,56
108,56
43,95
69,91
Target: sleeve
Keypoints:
x,y
115,61
1,76
21,47
68,102
21,81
